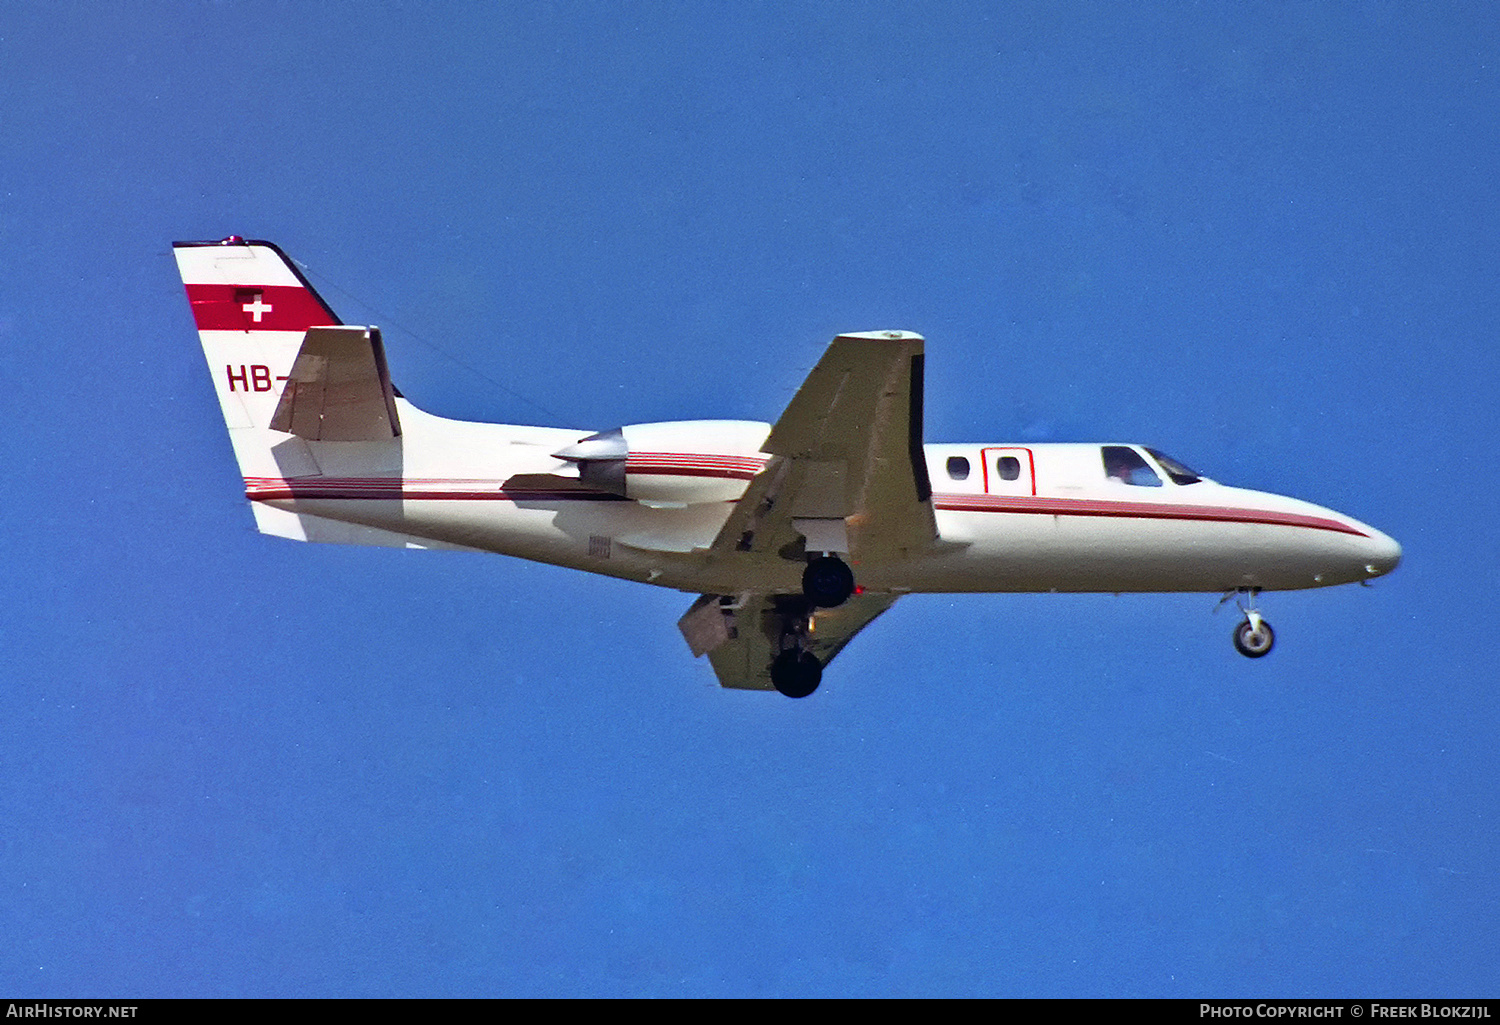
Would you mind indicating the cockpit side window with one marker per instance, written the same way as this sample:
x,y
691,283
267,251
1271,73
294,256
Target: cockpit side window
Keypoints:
x,y
1125,465
1179,473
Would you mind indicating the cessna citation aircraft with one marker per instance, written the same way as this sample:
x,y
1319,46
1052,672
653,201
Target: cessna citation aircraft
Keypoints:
x,y
795,534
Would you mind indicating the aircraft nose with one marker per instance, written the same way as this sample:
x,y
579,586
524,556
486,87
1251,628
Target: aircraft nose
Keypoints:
x,y
1382,553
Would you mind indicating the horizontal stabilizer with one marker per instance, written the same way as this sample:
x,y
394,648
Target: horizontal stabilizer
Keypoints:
x,y
339,388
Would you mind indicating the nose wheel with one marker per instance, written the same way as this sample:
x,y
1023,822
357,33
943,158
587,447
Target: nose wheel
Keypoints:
x,y
1253,637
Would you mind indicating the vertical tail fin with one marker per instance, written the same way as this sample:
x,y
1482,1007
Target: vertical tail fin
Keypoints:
x,y
252,307
294,385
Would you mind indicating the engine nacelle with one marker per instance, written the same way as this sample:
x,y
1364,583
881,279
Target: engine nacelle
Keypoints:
x,y
685,462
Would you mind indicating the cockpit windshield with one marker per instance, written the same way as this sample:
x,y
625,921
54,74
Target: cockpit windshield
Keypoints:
x,y
1125,465
1179,473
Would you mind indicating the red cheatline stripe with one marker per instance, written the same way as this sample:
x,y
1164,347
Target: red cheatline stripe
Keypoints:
x,y
1134,510
688,464
235,308
634,462
704,456
410,489
479,489
690,471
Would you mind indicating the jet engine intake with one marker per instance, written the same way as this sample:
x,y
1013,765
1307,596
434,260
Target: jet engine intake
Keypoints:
x,y
671,464
601,460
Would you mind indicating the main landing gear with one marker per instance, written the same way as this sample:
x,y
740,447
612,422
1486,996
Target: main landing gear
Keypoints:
x,y
1253,637
795,672
826,584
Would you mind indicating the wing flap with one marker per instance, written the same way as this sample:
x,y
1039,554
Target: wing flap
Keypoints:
x,y
743,638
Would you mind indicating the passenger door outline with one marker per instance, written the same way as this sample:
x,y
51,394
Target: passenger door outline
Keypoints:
x,y
1025,482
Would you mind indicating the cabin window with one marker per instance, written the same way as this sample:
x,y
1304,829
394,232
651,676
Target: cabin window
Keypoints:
x,y
958,468
1008,467
1179,473
1125,465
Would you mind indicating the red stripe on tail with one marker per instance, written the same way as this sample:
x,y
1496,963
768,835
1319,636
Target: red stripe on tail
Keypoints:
x,y
256,308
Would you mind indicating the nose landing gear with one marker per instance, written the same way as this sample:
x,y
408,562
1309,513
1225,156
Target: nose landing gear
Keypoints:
x,y
1253,637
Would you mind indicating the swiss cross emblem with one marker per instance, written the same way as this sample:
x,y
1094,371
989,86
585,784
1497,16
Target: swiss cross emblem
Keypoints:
x,y
257,307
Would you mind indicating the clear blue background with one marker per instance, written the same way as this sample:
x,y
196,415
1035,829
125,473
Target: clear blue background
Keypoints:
x,y
1258,236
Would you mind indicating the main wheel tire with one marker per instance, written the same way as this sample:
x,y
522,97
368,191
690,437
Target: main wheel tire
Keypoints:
x,y
796,673
1253,643
827,582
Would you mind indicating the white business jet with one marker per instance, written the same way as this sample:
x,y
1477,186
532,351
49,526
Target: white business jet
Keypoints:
x,y
795,534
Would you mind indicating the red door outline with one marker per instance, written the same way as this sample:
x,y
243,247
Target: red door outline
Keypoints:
x,y
986,457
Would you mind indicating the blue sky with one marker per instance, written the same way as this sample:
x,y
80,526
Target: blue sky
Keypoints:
x,y
1257,236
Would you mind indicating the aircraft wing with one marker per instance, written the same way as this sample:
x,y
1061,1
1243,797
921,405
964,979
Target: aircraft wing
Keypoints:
x,y
742,641
847,471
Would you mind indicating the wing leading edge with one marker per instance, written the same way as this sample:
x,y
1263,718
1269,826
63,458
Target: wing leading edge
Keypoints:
x,y
846,472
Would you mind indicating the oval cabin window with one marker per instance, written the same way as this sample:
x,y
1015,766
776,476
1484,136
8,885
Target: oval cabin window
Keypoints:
x,y
958,468
1008,467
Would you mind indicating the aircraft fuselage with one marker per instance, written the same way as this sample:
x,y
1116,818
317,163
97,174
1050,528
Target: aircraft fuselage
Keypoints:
x,y
1020,518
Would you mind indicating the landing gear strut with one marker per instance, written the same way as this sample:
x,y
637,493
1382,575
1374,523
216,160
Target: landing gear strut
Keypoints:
x,y
827,582
795,672
1254,637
